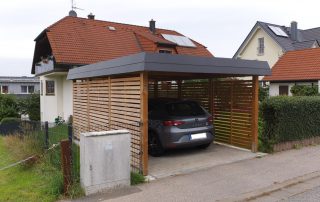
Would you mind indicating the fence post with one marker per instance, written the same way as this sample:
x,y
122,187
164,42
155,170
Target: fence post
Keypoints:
x,y
46,132
70,135
66,164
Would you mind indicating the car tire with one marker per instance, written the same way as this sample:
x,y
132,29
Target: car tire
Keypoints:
x,y
155,148
204,146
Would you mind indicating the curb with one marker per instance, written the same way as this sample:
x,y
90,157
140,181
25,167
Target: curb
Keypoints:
x,y
272,188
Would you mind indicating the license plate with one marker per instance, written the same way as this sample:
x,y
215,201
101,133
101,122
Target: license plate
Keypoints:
x,y
198,136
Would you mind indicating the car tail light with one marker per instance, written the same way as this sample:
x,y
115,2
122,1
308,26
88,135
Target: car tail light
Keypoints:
x,y
210,120
173,123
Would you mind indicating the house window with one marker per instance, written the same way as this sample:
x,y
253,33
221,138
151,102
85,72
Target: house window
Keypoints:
x,y
260,46
283,90
30,89
49,87
41,87
24,89
165,51
4,89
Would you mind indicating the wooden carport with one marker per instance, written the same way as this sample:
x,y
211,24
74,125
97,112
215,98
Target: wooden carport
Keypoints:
x,y
114,95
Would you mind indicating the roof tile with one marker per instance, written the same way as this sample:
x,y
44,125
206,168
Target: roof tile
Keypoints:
x,y
297,66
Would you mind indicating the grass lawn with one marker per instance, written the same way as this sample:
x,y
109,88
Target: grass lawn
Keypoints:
x,y
37,183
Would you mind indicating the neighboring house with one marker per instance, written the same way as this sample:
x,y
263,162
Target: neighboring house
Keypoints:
x,y
268,42
19,86
74,41
300,67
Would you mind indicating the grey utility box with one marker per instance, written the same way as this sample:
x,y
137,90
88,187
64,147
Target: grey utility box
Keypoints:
x,y
104,160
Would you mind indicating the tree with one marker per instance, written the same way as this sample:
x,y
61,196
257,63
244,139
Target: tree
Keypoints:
x,y
8,106
31,106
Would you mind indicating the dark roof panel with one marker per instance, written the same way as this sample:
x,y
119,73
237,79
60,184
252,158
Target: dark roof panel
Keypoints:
x,y
155,62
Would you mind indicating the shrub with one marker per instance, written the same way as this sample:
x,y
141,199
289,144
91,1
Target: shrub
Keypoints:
x,y
289,119
10,125
8,106
137,178
31,106
263,93
304,90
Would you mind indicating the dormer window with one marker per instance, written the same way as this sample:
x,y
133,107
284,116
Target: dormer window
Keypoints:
x,y
260,46
165,51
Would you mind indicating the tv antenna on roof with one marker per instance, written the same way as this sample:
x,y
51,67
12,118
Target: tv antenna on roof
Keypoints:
x,y
73,6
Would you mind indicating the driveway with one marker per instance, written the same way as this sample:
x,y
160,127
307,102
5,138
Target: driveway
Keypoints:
x,y
185,161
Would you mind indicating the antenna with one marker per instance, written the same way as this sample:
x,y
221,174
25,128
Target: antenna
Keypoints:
x,y
73,6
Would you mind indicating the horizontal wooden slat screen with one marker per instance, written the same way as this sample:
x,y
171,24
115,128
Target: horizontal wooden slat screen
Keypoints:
x,y
102,104
232,109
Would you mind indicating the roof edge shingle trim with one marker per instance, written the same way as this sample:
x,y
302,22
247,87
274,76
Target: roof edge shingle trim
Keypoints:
x,y
155,62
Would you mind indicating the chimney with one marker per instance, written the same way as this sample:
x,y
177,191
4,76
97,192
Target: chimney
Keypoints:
x,y
91,16
152,26
294,30
72,13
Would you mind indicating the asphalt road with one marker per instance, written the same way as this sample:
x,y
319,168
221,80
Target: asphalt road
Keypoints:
x,y
312,195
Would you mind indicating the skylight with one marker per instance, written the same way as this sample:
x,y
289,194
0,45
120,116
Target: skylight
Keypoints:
x,y
180,40
278,31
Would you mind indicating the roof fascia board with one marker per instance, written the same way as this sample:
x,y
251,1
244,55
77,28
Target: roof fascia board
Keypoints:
x,y
170,63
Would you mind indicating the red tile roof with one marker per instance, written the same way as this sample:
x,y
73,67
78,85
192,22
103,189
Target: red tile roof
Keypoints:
x,y
297,66
75,40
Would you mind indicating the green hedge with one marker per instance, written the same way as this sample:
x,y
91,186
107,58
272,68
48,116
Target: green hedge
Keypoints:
x,y
304,90
288,119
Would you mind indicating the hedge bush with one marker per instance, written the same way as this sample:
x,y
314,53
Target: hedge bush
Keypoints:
x,y
8,106
289,119
304,90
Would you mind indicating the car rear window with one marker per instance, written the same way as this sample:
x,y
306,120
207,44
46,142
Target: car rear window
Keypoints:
x,y
184,109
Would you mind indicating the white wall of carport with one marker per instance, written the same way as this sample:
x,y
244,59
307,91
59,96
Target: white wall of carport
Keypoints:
x,y
274,87
59,104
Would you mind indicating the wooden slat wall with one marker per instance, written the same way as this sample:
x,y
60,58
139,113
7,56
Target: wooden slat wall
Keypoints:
x,y
232,109
108,104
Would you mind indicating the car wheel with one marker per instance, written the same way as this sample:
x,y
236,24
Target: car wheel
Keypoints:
x,y
204,146
154,145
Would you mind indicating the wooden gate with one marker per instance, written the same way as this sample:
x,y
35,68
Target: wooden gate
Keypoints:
x,y
113,103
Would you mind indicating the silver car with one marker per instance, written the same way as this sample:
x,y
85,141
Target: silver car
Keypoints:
x,y
175,123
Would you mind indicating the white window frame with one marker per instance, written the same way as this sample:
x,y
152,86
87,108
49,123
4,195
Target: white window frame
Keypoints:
x,y
261,47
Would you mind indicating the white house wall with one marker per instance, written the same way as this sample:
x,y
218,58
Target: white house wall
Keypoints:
x,y
274,87
59,104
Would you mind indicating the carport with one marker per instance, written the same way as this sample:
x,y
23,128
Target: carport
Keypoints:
x,y
114,95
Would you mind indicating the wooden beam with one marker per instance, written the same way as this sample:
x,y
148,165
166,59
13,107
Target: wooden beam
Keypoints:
x,y
155,88
144,121
255,111
179,82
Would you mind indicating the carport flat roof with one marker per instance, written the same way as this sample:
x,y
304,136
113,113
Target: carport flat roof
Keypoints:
x,y
159,62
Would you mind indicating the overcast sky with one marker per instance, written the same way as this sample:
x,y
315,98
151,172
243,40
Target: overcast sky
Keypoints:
x,y
220,25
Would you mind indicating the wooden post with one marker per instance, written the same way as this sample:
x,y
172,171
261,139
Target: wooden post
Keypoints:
x,y
231,110
155,88
109,103
144,120
66,164
179,82
88,106
211,101
255,111
46,133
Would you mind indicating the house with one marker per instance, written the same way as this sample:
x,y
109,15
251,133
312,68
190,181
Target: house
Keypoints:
x,y
19,86
73,41
268,42
299,67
